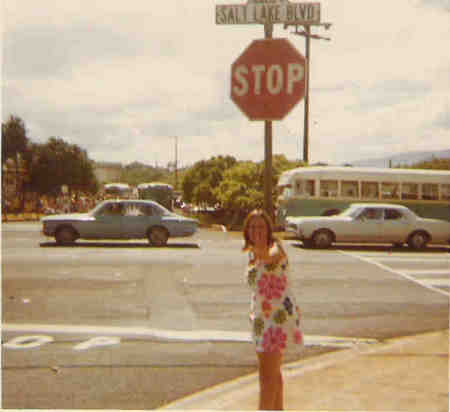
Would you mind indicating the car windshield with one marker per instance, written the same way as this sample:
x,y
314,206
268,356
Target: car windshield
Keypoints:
x,y
96,209
161,210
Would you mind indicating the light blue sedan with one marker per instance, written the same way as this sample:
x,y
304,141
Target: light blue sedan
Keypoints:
x,y
120,219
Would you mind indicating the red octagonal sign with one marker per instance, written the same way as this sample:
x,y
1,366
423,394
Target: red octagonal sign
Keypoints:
x,y
268,79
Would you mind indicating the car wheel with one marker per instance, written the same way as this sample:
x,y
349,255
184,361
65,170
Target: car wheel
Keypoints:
x,y
322,239
307,243
158,236
65,236
418,240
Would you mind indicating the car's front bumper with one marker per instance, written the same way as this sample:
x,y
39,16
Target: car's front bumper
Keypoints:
x,y
291,228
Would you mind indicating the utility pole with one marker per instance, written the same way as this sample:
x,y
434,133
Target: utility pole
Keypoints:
x,y
176,162
308,36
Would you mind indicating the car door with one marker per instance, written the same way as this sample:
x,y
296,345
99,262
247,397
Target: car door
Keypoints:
x,y
138,218
395,226
367,225
108,222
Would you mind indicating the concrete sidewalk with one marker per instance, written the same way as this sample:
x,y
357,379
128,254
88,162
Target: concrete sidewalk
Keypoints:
x,y
405,374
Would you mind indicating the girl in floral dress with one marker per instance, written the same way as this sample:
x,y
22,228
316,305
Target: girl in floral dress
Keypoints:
x,y
274,314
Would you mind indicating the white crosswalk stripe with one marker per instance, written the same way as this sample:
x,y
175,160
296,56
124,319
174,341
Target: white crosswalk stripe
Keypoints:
x,y
434,272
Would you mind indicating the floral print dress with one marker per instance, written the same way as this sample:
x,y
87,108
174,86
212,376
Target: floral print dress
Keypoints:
x,y
274,314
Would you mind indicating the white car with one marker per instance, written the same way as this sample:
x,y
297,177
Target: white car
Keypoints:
x,y
370,223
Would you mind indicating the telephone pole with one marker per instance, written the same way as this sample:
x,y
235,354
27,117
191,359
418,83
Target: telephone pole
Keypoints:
x,y
176,162
308,36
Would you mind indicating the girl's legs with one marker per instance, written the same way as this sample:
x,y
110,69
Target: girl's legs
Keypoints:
x,y
270,381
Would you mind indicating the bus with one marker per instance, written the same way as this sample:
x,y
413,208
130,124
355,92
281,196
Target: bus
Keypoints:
x,y
327,190
120,190
159,192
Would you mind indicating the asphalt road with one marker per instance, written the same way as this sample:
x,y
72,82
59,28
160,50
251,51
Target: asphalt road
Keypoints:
x,y
133,327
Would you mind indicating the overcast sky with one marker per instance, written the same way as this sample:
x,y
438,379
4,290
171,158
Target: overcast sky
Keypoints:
x,y
122,78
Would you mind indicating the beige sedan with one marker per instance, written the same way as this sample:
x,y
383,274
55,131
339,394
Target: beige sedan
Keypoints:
x,y
370,223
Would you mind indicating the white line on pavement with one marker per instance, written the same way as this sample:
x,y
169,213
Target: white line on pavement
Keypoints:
x,y
169,335
395,271
438,282
425,272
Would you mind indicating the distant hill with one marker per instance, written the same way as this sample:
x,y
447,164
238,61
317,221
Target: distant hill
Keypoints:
x,y
402,159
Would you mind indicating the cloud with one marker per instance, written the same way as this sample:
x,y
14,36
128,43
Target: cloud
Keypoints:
x,y
123,78
441,4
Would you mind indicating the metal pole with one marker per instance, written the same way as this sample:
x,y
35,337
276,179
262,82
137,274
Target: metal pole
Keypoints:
x,y
268,204
306,118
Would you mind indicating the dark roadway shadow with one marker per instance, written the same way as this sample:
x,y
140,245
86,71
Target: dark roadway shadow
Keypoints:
x,y
376,248
128,245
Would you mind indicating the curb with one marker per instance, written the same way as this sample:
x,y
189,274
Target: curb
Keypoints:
x,y
242,386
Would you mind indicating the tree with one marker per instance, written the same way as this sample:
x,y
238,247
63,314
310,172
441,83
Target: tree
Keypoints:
x,y
57,163
136,173
203,177
434,164
242,188
14,138
15,146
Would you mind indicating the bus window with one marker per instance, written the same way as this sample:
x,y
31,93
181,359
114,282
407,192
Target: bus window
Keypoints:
x,y
369,190
328,188
430,191
389,190
410,191
310,191
445,192
349,189
286,191
304,187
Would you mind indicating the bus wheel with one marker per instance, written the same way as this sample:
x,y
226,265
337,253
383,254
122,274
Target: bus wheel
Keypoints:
x,y
322,239
418,240
158,236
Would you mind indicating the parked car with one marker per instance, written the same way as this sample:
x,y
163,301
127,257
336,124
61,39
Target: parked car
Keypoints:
x,y
370,223
120,219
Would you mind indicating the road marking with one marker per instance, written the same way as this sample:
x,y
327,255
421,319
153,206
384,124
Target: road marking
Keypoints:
x,y
426,272
403,259
445,282
428,283
28,342
96,342
108,335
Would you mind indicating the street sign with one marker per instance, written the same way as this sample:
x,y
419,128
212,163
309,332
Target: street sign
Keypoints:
x,y
268,79
268,11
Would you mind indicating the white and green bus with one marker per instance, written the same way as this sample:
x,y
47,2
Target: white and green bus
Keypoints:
x,y
159,192
326,190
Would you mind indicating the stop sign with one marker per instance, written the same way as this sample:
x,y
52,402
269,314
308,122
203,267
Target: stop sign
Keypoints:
x,y
268,79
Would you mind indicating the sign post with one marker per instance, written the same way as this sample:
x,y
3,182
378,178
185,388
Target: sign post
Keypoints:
x,y
268,79
268,203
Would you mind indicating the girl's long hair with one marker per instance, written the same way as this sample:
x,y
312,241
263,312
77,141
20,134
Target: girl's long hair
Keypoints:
x,y
257,213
